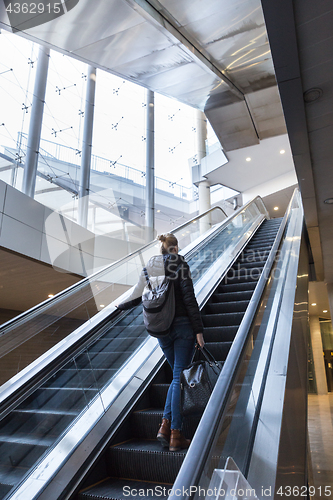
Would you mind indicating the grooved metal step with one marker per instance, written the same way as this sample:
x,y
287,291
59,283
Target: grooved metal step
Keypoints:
x,y
145,460
222,307
226,319
114,489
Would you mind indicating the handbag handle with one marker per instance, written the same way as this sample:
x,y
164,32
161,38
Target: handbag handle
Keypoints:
x,y
208,356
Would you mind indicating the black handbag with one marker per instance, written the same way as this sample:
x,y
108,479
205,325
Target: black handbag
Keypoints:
x,y
197,382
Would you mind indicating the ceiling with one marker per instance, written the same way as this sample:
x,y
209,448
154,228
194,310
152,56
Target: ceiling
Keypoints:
x,y
225,58
19,288
318,300
277,203
212,55
255,165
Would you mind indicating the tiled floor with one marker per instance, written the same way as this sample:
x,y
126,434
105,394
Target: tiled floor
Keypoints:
x,y
320,424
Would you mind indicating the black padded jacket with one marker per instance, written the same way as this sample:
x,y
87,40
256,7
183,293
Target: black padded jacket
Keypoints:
x,y
174,266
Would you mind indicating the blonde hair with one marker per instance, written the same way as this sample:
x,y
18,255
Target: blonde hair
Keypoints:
x,y
168,243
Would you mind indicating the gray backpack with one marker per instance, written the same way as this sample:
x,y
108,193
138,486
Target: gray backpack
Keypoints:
x,y
158,306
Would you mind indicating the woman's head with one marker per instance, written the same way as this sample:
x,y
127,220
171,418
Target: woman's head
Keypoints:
x,y
169,243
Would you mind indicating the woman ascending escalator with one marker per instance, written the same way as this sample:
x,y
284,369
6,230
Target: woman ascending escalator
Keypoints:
x,y
177,345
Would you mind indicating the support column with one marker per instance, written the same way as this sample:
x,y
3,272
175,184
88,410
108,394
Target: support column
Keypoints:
x,y
204,186
318,358
150,168
330,298
201,135
86,148
36,120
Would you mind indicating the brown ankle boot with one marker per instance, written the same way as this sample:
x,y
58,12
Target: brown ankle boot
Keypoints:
x,y
178,441
163,434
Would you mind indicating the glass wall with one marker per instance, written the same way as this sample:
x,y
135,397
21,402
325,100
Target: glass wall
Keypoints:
x,y
117,197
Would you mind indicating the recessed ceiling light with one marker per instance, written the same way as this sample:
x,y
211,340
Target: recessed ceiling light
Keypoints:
x,y
248,159
50,296
329,201
282,151
102,305
158,211
314,304
312,95
276,208
325,311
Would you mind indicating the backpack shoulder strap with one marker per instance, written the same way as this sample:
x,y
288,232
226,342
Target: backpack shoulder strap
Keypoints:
x,y
147,278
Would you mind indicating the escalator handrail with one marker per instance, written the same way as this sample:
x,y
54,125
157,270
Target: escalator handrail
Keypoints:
x,y
210,234
196,457
53,300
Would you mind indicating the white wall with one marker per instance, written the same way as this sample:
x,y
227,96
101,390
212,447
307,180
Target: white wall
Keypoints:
x,y
277,184
31,229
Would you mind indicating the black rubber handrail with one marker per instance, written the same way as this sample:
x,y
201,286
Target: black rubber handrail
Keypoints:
x,y
227,221
198,453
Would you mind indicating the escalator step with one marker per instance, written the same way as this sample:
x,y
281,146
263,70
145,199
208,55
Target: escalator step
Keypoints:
x,y
263,238
4,489
248,265
158,394
266,245
118,344
19,455
103,360
222,307
226,319
145,423
37,425
58,400
27,440
9,476
219,349
232,296
114,489
220,333
254,256
237,287
242,279
145,460
131,321
240,272
126,331
86,378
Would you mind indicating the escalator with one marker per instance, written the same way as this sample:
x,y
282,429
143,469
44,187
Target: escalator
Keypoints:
x,y
92,414
139,457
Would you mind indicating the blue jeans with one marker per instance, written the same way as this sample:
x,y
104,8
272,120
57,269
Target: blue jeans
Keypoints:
x,y
178,348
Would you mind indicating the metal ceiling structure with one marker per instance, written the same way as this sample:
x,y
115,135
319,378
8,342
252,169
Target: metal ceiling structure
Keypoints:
x,y
216,55
213,55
